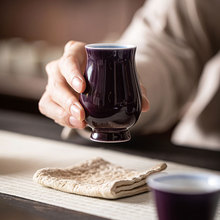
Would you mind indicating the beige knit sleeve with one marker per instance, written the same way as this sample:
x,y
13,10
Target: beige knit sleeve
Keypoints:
x,y
173,44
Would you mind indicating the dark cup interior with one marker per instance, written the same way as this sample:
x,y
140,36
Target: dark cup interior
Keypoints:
x,y
109,46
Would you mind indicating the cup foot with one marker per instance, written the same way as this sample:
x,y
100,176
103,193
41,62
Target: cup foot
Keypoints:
x,y
110,136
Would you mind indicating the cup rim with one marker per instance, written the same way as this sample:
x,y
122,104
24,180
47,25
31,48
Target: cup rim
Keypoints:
x,y
110,46
154,183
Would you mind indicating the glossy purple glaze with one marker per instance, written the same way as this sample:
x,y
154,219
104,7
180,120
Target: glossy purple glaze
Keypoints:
x,y
172,206
112,99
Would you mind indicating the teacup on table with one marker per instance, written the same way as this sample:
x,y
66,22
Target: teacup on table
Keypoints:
x,y
185,196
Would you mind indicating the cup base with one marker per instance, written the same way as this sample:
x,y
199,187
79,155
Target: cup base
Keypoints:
x,y
110,136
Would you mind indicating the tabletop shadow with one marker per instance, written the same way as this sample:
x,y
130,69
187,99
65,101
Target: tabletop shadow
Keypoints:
x,y
141,198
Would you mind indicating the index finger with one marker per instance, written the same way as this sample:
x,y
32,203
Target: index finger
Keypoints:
x,y
72,65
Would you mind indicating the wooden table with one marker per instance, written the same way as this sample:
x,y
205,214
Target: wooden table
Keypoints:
x,y
17,119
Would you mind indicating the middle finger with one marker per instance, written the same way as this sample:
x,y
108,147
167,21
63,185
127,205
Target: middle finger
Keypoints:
x,y
63,95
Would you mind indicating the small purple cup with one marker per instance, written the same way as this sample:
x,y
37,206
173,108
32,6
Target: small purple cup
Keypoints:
x,y
185,196
112,98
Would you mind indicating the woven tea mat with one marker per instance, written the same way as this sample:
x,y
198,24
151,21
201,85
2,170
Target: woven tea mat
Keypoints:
x,y
22,155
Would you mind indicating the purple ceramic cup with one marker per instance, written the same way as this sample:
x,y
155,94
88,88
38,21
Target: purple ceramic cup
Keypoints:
x,y
185,196
112,99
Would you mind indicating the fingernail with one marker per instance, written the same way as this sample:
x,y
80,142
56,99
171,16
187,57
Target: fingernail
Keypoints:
x,y
77,84
75,111
72,120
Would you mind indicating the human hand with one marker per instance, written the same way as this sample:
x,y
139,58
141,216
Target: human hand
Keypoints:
x,y
60,100
145,103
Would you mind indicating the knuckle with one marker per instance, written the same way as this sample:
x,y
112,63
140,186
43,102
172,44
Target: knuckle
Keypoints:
x,y
50,67
66,59
54,85
41,105
47,89
61,115
69,44
69,101
50,89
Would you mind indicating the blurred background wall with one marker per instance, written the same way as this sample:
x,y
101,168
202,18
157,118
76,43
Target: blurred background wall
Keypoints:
x,y
33,32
